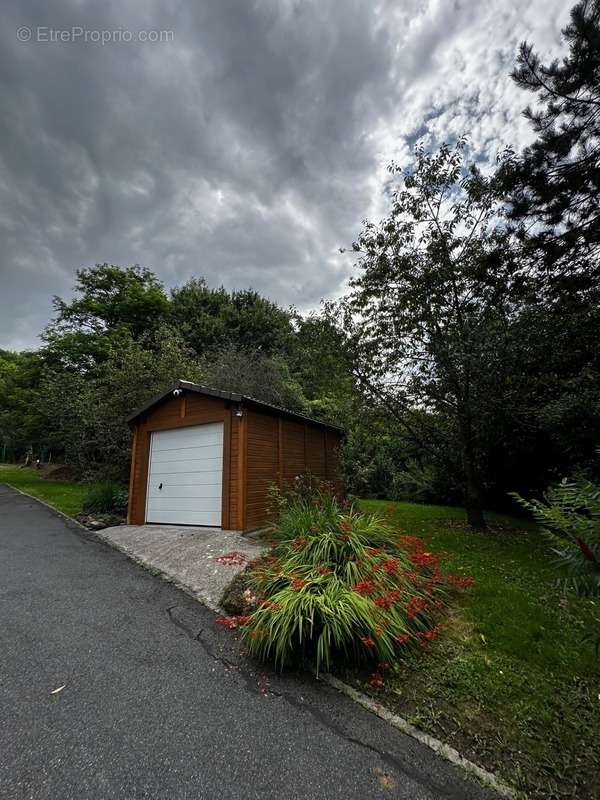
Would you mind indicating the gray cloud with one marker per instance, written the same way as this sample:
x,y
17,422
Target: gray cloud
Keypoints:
x,y
248,149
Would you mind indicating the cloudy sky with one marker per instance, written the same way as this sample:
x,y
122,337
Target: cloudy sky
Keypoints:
x,y
246,146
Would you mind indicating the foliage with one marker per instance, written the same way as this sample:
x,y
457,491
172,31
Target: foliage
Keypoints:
x,y
89,411
426,314
119,341
23,425
111,303
569,516
340,585
556,182
254,373
319,358
416,481
304,491
106,497
215,319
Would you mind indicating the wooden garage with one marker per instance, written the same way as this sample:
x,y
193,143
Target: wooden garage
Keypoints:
x,y
201,456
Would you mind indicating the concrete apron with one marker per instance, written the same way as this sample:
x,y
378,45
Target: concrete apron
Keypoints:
x,y
185,555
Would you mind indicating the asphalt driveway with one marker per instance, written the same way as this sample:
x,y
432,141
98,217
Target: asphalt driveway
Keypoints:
x,y
159,702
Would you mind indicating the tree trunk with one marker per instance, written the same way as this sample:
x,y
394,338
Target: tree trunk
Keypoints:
x,y
473,502
473,498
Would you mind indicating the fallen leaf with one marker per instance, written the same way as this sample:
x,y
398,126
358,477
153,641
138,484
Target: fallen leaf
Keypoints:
x,y
384,778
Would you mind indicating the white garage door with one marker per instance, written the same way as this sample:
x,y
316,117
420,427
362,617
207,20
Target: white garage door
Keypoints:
x,y
185,477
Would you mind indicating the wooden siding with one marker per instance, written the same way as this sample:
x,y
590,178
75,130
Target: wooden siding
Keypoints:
x,y
260,448
293,450
315,451
278,450
262,460
235,522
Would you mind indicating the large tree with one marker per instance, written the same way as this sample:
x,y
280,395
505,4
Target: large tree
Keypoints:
x,y
556,182
213,319
87,410
427,314
23,422
254,373
110,303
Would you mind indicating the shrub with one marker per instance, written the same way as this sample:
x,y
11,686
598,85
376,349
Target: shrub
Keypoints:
x,y
304,491
106,497
569,517
340,584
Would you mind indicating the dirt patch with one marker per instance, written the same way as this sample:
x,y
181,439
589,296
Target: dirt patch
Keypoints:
x,y
56,472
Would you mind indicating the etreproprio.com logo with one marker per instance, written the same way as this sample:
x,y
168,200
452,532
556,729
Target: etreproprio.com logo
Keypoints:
x,y
45,34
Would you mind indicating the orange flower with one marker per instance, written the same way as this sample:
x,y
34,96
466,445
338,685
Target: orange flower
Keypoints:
x,y
364,587
416,605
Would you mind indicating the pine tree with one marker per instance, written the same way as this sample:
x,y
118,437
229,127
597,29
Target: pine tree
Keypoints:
x,y
556,182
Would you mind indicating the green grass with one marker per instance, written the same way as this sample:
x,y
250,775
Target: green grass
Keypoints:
x,y
66,496
511,684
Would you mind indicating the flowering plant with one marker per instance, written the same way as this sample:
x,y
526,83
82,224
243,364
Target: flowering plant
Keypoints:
x,y
342,585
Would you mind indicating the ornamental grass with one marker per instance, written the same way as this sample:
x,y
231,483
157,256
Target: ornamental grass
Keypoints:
x,y
341,586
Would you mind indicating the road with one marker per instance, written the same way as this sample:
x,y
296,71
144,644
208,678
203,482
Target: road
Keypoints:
x,y
158,702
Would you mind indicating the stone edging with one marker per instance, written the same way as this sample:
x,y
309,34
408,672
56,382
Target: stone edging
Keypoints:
x,y
444,750
60,513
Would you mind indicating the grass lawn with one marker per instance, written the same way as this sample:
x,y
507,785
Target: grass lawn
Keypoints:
x,y
66,496
510,683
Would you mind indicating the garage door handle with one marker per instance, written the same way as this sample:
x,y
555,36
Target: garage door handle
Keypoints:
x,y
160,485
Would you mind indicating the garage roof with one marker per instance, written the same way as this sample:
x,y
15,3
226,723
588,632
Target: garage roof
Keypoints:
x,y
232,397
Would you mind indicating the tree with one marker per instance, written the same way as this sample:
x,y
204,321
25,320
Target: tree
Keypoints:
x,y
254,373
556,182
319,360
89,410
213,319
111,303
426,316
23,421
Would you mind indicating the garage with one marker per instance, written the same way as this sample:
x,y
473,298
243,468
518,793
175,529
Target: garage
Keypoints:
x,y
185,476
206,457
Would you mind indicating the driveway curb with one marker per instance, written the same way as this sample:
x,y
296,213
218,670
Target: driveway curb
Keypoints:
x,y
444,750
165,576
66,517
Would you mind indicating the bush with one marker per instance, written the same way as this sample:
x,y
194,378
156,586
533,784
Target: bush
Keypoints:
x,y
340,584
106,497
569,517
305,490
